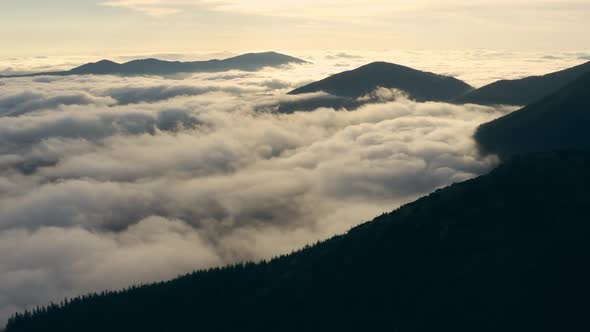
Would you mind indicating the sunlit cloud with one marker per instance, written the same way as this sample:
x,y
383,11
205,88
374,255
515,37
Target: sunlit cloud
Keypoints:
x,y
232,25
152,8
301,8
322,9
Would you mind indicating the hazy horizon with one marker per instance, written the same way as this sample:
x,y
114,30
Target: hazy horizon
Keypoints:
x,y
476,67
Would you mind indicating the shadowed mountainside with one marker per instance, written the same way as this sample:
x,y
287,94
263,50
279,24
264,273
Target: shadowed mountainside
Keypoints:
x,y
523,91
419,85
246,62
319,101
507,251
559,121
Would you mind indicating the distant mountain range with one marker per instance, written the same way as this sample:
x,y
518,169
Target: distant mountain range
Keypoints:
x,y
347,88
246,62
504,252
523,91
559,121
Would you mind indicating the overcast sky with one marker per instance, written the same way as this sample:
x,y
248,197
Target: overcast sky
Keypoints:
x,y
58,27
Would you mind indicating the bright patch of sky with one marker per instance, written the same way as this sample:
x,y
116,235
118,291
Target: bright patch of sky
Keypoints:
x,y
63,27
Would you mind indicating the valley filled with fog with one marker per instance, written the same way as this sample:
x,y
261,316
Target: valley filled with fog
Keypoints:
x,y
107,181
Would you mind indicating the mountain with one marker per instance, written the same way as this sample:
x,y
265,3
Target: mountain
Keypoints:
x,y
559,121
246,62
507,251
523,91
419,85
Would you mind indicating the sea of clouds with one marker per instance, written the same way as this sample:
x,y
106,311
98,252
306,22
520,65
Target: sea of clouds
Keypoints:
x,y
108,181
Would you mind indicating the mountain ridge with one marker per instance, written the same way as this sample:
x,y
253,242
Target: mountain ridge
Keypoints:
x,y
152,66
523,91
353,88
420,85
558,121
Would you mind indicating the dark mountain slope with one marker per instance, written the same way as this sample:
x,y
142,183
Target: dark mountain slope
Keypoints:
x,y
524,91
246,62
559,121
257,61
505,252
421,86
320,101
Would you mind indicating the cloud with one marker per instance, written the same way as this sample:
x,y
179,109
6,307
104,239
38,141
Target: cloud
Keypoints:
x,y
28,101
152,8
90,125
138,94
163,8
74,260
343,55
141,179
351,9
550,57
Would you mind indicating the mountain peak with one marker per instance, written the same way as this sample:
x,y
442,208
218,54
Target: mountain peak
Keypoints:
x,y
100,67
419,85
105,62
270,56
380,64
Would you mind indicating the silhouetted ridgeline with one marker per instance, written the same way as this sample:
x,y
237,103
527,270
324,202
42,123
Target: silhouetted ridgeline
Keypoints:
x,y
507,251
419,85
559,121
246,62
351,89
524,91
346,88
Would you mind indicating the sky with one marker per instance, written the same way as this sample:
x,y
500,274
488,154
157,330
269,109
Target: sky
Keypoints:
x,y
33,27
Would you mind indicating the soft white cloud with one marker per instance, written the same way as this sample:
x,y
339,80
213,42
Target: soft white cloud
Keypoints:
x,y
342,10
29,101
51,263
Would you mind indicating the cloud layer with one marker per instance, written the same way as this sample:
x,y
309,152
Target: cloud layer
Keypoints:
x,y
109,181
325,9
